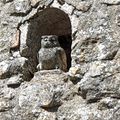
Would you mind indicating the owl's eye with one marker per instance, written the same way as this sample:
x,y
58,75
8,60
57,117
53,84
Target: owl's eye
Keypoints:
x,y
53,39
45,39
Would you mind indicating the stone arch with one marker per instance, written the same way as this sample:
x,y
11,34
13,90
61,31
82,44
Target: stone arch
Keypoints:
x,y
50,21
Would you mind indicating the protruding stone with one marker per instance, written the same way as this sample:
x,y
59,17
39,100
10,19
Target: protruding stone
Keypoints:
x,y
79,5
67,8
4,66
107,103
14,81
44,115
47,90
15,42
75,74
74,70
6,1
61,2
83,6
41,2
4,105
101,80
76,109
15,66
111,2
22,6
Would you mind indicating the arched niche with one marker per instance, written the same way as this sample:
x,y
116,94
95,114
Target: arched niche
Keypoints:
x,y
50,21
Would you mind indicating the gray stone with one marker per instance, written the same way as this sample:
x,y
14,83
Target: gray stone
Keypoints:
x,y
61,2
8,93
4,105
15,66
41,2
6,1
23,40
111,2
4,68
100,81
15,42
8,26
21,6
79,4
45,90
108,103
75,74
37,98
67,8
15,81
90,90
77,110
45,115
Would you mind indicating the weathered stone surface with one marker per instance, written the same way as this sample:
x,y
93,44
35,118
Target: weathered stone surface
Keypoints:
x,y
94,41
8,25
75,74
21,6
12,67
46,115
83,6
90,90
8,93
61,2
3,69
108,103
4,105
49,90
79,4
15,81
41,2
118,55
15,42
6,1
23,40
111,2
74,23
101,80
40,98
77,110
67,8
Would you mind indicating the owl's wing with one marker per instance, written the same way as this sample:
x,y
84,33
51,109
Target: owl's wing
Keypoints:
x,y
40,55
63,59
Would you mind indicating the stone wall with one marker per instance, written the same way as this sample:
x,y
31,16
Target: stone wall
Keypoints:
x,y
90,90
